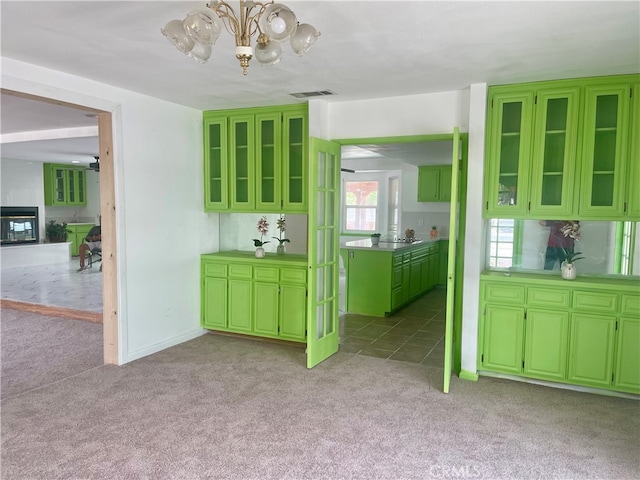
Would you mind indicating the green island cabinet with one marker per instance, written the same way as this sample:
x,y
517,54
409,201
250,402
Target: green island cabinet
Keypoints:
x,y
434,183
264,297
76,235
584,332
64,185
562,149
256,159
380,281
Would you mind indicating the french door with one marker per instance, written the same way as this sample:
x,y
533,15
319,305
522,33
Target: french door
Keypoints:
x,y
324,241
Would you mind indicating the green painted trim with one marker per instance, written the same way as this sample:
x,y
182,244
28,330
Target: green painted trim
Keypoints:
x,y
295,107
400,139
571,82
345,234
632,241
466,375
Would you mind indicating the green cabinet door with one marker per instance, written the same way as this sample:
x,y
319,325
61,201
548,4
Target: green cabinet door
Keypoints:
x,y
76,236
364,296
265,299
242,160
508,155
268,162
428,184
627,368
591,342
434,183
295,159
293,308
216,195
634,158
553,176
503,336
604,151
214,303
415,275
545,351
240,305
76,186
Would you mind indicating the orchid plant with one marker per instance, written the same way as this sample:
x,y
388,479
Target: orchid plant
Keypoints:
x,y
281,226
263,228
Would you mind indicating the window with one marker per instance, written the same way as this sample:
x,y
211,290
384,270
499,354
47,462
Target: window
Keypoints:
x,y
361,206
503,245
394,205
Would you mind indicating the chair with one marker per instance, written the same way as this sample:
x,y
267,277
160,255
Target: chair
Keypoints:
x,y
95,256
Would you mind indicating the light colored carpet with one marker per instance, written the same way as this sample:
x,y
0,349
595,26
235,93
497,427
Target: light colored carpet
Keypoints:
x,y
227,408
38,350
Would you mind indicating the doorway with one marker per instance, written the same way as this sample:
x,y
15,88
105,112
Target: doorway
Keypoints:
x,y
107,213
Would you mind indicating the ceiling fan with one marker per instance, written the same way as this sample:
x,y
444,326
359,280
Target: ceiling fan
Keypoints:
x,y
95,166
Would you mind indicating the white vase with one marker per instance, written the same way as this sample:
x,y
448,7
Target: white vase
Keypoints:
x,y
260,252
568,271
280,249
375,240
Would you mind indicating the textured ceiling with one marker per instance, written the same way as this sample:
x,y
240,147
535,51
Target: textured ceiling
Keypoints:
x,y
367,49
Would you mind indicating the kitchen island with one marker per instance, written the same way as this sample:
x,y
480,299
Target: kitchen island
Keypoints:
x,y
382,278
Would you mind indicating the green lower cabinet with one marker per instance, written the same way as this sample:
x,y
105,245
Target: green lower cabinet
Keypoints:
x,y
240,303
266,298
627,367
585,332
503,335
545,350
214,304
293,312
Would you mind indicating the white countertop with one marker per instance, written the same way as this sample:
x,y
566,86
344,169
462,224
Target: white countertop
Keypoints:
x,y
365,244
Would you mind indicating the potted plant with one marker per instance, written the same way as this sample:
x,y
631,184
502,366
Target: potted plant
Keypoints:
x,y
568,270
282,226
263,228
375,238
57,232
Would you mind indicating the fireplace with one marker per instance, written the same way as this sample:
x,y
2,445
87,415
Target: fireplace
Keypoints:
x,y
19,225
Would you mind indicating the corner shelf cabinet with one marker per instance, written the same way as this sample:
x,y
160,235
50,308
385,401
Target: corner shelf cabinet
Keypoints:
x,y
64,185
585,332
256,159
562,149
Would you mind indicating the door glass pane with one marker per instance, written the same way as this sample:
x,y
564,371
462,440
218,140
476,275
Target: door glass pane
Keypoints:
x,y
60,185
320,321
320,284
329,325
320,246
330,208
321,171
509,153
320,212
72,191
330,245
330,174
329,279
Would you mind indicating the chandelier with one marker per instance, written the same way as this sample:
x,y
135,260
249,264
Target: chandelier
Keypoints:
x,y
274,23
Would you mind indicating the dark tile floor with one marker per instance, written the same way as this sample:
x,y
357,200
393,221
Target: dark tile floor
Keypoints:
x,y
413,334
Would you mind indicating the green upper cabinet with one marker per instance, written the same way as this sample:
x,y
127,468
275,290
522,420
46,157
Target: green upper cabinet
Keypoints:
x,y
215,163
434,183
64,185
634,157
561,149
508,152
256,159
605,151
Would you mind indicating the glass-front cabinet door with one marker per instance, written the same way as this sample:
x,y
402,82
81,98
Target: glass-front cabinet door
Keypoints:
x,y
634,158
242,156
59,187
605,154
268,162
295,155
509,153
554,152
215,164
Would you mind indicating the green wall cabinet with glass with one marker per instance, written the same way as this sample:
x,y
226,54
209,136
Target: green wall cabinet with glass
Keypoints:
x,y
561,149
64,185
583,332
261,297
381,281
76,235
434,183
256,159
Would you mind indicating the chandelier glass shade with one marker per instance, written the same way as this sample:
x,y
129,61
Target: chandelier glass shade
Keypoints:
x,y
273,23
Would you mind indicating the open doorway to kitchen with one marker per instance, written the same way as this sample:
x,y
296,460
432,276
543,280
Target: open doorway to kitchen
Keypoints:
x,y
387,202
77,139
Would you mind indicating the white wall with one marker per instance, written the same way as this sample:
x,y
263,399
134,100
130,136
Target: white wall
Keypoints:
x,y
161,227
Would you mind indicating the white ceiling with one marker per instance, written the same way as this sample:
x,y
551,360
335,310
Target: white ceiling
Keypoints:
x,y
367,49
